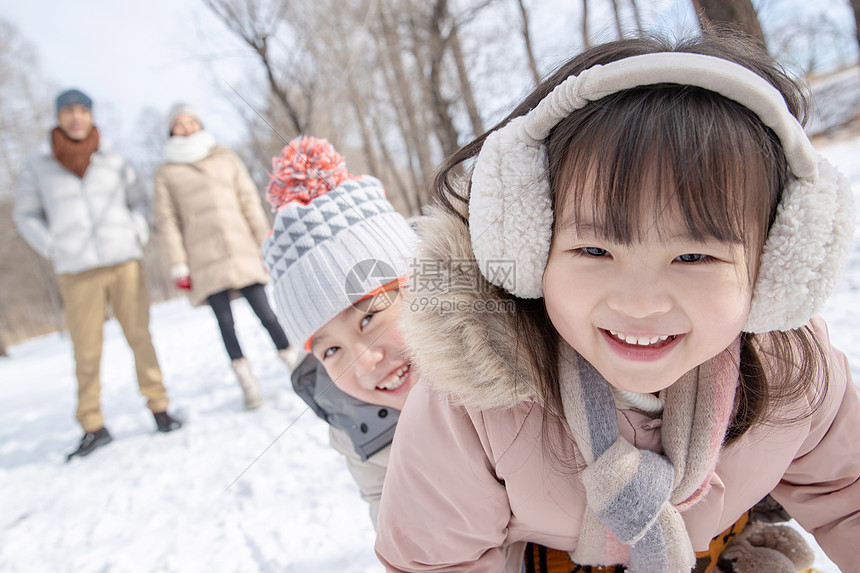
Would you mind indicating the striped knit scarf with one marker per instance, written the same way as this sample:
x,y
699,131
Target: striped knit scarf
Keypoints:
x,y
634,497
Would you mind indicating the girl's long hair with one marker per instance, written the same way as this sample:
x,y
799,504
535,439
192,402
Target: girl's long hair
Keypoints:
x,y
711,158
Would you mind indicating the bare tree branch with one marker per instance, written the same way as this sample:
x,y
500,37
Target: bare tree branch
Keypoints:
x,y
586,40
527,40
617,18
739,14
465,84
637,18
256,23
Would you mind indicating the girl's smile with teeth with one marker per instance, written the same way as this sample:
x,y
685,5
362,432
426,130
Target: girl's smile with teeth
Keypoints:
x,y
640,349
640,340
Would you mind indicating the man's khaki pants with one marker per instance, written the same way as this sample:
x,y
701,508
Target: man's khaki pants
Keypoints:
x,y
85,297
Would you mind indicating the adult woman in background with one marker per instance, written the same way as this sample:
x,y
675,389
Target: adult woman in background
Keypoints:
x,y
212,224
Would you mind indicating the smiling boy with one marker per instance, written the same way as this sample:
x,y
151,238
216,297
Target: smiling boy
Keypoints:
x,y
337,256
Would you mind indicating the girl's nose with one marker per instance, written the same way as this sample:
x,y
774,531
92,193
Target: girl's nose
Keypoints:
x,y
639,293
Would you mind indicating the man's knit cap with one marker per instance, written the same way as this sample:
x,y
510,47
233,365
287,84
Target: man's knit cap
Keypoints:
x,y
73,97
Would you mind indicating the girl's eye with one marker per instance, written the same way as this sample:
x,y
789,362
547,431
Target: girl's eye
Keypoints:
x,y
365,320
594,251
329,352
692,258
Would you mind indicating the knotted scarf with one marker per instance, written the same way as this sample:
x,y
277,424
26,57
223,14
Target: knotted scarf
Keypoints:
x,y
634,497
74,154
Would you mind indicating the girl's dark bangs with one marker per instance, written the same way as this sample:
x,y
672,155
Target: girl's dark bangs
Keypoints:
x,y
646,151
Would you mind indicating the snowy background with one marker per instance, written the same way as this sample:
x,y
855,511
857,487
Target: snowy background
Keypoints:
x,y
232,491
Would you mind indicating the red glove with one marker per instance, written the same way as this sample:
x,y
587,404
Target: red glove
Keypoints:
x,y
183,283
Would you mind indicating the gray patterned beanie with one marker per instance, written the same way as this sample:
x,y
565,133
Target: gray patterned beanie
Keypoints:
x,y
336,239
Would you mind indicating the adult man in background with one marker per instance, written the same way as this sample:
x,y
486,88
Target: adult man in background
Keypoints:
x,y
78,206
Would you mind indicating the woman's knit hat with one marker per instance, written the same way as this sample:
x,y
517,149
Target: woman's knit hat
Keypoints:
x,y
335,239
180,109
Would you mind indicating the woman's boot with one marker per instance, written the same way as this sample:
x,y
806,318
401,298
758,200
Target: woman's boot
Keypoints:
x,y
290,356
249,384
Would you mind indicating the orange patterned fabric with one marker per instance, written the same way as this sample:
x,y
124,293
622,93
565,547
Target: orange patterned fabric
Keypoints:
x,y
706,561
541,559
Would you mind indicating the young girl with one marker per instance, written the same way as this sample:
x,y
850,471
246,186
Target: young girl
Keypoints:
x,y
665,232
337,253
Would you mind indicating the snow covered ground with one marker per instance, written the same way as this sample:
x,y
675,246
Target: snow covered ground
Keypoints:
x,y
233,491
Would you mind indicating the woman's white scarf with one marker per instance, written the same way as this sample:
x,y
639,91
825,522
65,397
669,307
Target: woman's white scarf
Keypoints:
x,y
634,497
188,149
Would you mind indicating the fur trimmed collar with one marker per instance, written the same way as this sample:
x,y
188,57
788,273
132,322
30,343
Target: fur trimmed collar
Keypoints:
x,y
479,362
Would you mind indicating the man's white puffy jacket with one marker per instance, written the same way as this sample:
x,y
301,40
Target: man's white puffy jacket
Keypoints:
x,y
81,224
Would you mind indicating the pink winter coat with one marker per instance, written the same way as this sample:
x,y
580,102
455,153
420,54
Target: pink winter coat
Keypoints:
x,y
472,473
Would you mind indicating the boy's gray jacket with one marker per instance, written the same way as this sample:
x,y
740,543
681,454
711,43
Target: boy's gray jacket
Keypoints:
x,y
81,223
370,427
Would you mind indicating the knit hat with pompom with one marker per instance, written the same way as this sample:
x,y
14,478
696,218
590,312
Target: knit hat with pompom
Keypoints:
x,y
335,239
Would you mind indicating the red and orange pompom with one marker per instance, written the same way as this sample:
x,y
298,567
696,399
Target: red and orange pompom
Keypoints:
x,y
307,168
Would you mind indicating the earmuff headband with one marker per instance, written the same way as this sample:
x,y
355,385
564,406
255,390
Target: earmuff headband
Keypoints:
x,y
728,79
510,208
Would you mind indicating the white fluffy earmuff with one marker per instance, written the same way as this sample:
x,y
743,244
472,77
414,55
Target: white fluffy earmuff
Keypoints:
x,y
510,209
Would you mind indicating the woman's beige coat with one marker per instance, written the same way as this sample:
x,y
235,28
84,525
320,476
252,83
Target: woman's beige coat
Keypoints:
x,y
208,215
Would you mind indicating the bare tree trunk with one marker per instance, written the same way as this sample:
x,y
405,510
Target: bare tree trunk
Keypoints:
x,y
465,85
636,16
527,40
617,19
300,122
367,143
5,325
855,5
404,94
586,41
407,196
445,130
739,14
403,124
358,107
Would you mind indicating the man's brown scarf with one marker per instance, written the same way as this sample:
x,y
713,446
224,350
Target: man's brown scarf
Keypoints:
x,y
72,154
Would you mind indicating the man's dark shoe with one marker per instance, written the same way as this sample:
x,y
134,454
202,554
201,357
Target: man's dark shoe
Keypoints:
x,y
165,422
90,442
